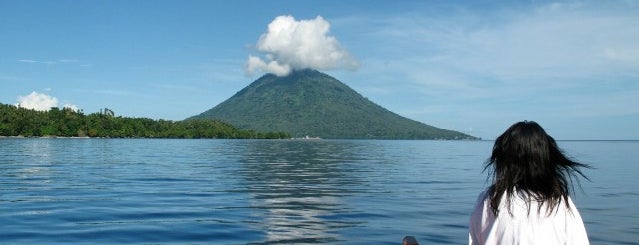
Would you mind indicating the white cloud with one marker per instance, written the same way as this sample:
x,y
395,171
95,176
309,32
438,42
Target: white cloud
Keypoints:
x,y
289,44
37,101
49,62
564,43
42,102
255,63
542,43
71,106
28,61
546,49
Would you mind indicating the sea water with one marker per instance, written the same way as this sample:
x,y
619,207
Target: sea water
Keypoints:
x,y
173,191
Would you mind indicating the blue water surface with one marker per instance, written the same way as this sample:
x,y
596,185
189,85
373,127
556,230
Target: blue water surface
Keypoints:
x,y
170,191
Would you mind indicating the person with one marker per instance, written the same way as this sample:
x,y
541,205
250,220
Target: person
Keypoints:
x,y
528,201
409,240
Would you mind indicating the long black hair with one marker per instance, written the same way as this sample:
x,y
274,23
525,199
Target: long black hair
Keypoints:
x,y
527,162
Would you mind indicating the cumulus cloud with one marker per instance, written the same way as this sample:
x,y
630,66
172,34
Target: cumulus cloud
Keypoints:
x,y
71,106
290,44
37,101
41,102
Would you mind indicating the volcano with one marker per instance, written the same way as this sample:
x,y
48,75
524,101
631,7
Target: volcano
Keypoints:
x,y
311,103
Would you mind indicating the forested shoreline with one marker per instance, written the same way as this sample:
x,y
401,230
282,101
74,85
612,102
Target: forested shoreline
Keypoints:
x,y
66,122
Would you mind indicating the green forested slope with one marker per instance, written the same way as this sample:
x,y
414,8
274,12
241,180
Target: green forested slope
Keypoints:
x,y
309,102
16,121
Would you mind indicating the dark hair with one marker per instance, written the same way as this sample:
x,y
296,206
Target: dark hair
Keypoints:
x,y
526,161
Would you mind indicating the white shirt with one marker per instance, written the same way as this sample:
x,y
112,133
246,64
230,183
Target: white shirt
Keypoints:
x,y
562,226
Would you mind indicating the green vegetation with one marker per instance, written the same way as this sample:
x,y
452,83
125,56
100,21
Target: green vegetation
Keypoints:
x,y
16,121
308,102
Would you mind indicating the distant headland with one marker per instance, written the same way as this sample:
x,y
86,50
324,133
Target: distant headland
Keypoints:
x,y
20,122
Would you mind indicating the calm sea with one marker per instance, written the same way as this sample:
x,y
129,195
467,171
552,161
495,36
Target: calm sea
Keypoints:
x,y
163,191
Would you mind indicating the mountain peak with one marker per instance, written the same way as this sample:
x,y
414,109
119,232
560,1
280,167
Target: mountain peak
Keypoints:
x,y
309,102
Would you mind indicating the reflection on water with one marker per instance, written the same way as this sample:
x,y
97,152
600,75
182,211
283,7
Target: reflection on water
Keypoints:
x,y
295,185
235,191
153,191
40,153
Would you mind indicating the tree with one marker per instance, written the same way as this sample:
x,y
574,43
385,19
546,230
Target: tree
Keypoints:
x,y
16,121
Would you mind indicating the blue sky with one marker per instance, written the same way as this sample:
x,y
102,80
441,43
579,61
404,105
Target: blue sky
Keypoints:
x,y
471,66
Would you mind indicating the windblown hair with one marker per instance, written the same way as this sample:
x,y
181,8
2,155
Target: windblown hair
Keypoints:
x,y
527,162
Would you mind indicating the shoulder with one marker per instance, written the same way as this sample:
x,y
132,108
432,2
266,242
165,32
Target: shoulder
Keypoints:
x,y
481,209
482,196
479,219
480,202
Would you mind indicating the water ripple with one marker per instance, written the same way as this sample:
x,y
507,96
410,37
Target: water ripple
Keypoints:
x,y
140,191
